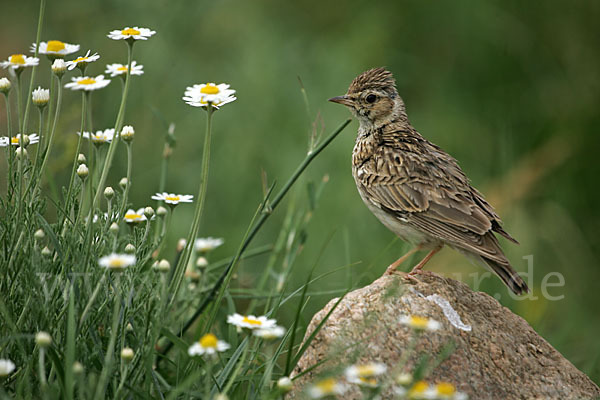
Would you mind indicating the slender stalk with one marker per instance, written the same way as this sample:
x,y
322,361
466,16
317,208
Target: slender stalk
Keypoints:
x,y
19,71
9,134
51,104
180,267
118,125
74,168
34,70
51,137
108,358
208,299
129,169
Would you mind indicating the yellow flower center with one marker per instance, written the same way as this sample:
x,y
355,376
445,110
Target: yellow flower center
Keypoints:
x,y
122,69
116,263
209,89
14,140
172,198
419,387
86,81
132,216
445,388
17,59
366,370
327,386
130,31
418,322
55,45
251,321
208,341
368,381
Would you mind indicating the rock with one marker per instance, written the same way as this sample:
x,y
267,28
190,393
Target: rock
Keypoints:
x,y
490,353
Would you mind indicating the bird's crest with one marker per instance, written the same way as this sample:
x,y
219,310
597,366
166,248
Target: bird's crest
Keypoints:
x,y
376,78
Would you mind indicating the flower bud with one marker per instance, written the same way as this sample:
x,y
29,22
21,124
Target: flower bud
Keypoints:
x,y
114,228
221,396
59,67
82,171
201,262
129,327
81,158
46,252
162,266
181,245
149,213
43,339
40,97
39,234
127,354
109,193
77,368
5,85
161,211
130,249
127,133
123,183
284,384
21,153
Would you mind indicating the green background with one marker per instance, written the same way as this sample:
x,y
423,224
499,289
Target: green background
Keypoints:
x,y
509,88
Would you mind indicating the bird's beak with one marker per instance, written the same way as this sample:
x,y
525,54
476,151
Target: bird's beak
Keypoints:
x,y
345,100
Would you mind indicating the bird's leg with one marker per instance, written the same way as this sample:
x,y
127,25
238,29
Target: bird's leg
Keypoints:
x,y
392,268
424,261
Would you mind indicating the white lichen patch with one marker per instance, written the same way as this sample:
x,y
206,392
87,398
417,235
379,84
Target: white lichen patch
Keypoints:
x,y
449,312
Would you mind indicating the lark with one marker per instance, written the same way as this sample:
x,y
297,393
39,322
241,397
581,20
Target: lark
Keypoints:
x,y
415,188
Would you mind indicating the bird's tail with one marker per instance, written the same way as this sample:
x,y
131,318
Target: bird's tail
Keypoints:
x,y
508,275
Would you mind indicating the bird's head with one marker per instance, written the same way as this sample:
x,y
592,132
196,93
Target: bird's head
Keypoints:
x,y
373,98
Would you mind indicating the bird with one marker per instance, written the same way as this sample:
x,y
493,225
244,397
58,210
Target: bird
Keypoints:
x,y
416,189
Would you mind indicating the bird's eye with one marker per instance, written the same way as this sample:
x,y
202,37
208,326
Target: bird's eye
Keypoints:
x,y
371,98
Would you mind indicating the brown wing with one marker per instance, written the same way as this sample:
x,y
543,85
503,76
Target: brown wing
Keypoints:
x,y
419,182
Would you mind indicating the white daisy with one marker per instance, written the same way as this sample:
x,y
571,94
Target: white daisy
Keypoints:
x,y
134,33
133,216
6,367
117,262
209,345
420,323
171,198
120,69
204,245
55,48
327,387
16,140
285,384
200,95
40,96
101,136
446,390
87,83
269,333
364,374
82,60
17,61
251,321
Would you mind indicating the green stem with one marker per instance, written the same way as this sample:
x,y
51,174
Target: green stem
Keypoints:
x,y
129,169
183,261
51,104
51,137
118,125
9,147
208,299
74,168
19,71
34,70
108,358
